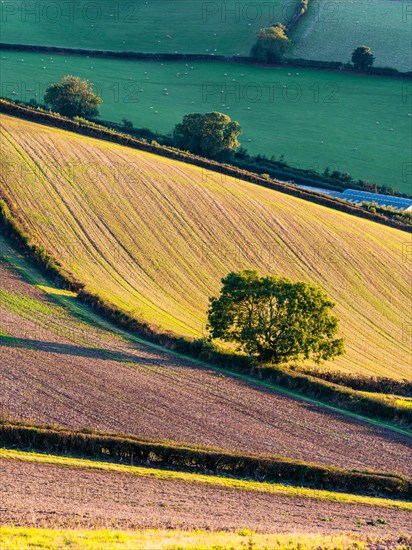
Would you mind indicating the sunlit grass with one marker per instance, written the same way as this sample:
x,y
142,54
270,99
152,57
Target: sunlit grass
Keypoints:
x,y
211,480
57,291
14,538
396,400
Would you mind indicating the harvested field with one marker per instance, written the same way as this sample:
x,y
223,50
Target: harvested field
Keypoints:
x,y
154,237
32,493
61,364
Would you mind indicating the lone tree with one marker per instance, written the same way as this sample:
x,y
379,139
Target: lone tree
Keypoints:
x,y
274,319
271,44
73,97
212,134
362,58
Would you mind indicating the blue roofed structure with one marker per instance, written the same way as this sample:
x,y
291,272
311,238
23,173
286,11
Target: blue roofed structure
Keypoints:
x,y
358,197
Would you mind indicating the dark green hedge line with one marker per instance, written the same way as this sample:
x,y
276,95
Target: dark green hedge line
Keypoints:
x,y
342,397
303,176
101,132
276,169
376,384
13,225
246,60
114,54
131,450
345,67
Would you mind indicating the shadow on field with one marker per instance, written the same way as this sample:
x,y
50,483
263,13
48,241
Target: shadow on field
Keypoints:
x,y
79,351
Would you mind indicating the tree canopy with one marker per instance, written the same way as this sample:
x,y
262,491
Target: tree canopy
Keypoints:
x,y
362,58
211,134
271,44
274,319
73,97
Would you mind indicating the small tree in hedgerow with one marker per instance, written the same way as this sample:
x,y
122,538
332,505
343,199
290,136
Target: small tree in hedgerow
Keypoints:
x,y
73,97
211,134
271,44
275,320
362,58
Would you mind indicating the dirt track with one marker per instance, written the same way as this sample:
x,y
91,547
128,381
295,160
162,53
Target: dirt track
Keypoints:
x,y
80,376
52,496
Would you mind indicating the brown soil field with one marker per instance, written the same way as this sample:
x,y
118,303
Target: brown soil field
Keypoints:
x,y
52,496
154,237
61,368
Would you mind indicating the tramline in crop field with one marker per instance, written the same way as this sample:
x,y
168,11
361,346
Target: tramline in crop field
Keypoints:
x,y
155,236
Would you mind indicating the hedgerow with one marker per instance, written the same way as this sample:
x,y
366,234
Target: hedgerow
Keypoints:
x,y
132,450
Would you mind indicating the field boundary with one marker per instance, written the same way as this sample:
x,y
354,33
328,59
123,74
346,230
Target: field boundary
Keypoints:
x,y
135,451
218,481
96,131
332,66
28,538
340,399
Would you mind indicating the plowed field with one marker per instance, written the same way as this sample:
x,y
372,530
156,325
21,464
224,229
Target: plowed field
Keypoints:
x,y
60,364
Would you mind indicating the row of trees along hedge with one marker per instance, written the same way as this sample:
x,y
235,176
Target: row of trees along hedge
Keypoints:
x,y
131,450
360,382
289,62
13,225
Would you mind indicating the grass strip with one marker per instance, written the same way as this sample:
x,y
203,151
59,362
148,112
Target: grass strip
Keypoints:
x,y
23,538
169,455
211,480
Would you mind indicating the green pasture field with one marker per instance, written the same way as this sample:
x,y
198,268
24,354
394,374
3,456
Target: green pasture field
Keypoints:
x,y
316,119
331,31
183,26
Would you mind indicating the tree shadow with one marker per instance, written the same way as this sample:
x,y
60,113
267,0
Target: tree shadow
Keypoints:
x,y
80,351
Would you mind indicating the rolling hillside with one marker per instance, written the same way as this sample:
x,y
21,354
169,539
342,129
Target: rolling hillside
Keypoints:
x,y
61,364
154,236
370,136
